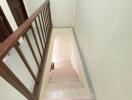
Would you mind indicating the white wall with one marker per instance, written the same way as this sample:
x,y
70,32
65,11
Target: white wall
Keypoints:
x,y
104,32
7,92
32,5
62,12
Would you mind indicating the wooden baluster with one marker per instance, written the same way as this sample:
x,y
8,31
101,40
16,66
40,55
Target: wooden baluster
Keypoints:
x,y
49,18
47,23
45,19
50,14
43,23
36,41
47,27
41,29
39,34
25,61
10,77
32,50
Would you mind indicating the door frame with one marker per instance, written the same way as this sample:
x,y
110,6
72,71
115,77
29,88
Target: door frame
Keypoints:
x,y
23,8
6,21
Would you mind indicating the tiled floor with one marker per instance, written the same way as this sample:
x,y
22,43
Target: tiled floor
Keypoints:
x,y
64,84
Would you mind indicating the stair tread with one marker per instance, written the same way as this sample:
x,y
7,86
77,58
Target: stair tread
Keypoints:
x,y
69,93
71,98
64,84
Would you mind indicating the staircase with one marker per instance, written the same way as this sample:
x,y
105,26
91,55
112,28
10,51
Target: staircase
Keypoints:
x,y
64,84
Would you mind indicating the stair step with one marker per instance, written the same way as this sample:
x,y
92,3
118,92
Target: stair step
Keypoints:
x,y
64,87
64,80
64,84
63,77
63,71
81,93
73,98
64,74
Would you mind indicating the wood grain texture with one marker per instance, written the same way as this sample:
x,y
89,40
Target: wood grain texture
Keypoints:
x,y
14,37
12,41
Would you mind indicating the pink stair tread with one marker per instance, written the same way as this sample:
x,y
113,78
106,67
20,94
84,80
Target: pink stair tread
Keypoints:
x,y
64,84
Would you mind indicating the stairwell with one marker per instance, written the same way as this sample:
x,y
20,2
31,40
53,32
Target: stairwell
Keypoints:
x,y
64,84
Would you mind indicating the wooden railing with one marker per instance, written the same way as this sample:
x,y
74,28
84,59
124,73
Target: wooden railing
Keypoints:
x,y
41,21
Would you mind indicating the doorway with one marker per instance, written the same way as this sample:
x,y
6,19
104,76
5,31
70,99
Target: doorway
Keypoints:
x,y
18,10
5,29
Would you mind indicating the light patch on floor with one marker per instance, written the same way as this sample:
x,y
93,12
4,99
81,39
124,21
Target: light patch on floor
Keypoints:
x,y
63,44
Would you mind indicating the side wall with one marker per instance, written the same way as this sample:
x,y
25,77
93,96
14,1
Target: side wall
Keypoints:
x,y
104,32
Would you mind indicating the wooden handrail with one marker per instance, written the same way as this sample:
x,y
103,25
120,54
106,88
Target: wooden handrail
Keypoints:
x,y
44,27
13,38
